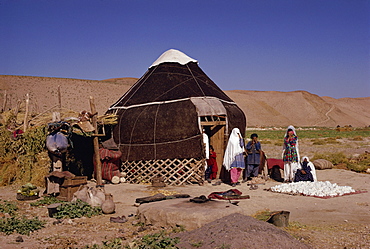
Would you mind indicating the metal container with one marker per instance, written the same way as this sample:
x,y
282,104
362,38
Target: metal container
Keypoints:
x,y
279,218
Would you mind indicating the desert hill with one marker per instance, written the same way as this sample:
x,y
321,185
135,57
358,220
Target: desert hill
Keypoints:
x,y
263,108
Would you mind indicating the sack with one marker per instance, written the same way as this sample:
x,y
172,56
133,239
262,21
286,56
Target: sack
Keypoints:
x,y
57,143
92,196
322,164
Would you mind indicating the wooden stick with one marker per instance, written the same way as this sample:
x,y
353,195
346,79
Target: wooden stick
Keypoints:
x,y
98,173
25,121
59,97
37,110
17,108
4,103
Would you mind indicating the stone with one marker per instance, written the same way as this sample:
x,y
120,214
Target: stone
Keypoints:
x,y
19,239
182,212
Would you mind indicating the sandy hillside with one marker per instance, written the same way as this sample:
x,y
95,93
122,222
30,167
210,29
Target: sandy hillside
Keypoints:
x,y
263,108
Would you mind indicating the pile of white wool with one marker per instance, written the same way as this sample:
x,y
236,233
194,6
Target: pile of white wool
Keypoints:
x,y
320,189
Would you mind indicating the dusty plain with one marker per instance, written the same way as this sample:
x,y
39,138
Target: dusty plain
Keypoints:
x,y
340,222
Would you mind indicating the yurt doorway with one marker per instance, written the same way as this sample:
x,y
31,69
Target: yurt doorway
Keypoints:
x,y
214,127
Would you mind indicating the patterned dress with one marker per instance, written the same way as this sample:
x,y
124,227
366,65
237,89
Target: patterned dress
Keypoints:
x,y
290,152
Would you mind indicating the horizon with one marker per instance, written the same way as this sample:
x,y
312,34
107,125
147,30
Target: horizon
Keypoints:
x,y
321,47
221,89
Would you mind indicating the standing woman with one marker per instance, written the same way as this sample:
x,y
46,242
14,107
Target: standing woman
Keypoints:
x,y
234,158
254,157
290,154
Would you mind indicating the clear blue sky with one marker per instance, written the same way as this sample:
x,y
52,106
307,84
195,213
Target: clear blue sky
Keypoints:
x,y
319,46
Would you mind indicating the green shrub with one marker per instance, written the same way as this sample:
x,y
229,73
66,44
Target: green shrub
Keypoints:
x,y
357,167
155,241
20,225
8,207
46,201
115,243
197,244
76,209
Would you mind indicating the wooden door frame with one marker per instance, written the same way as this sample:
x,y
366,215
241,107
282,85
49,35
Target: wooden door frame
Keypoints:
x,y
211,129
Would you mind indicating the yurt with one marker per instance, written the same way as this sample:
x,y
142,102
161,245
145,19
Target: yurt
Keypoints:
x,y
161,119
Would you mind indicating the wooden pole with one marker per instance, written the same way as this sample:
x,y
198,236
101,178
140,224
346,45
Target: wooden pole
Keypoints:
x,y
98,173
4,103
59,97
37,110
25,121
17,108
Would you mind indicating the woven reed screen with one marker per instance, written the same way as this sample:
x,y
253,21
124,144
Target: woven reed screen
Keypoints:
x,y
174,171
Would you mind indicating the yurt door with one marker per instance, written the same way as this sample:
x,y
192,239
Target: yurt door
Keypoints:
x,y
215,129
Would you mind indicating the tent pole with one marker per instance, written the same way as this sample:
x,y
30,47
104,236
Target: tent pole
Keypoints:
x,y
98,173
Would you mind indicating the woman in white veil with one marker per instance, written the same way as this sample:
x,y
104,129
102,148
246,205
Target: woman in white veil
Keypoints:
x,y
234,158
290,154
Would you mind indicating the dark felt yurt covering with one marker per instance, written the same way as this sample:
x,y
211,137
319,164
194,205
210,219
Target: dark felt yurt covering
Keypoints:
x,y
158,118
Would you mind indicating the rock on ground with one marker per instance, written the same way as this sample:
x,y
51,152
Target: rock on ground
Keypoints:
x,y
182,212
238,231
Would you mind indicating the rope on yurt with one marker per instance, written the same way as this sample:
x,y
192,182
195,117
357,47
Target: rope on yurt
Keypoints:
x,y
124,95
195,79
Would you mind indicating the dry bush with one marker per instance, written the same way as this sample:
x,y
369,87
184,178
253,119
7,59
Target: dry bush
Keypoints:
x,y
359,164
318,141
328,140
331,140
340,161
358,138
334,158
278,143
23,159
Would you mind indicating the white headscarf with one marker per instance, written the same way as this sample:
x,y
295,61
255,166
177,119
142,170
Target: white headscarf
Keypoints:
x,y
296,145
206,144
312,166
233,148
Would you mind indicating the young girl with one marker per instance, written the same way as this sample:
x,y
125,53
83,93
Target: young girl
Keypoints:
x,y
290,154
212,168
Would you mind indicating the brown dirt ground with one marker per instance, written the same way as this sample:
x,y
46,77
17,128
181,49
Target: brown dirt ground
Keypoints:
x,y
322,223
341,222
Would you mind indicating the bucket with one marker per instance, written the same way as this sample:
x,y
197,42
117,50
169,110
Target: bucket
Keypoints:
x,y
52,209
279,218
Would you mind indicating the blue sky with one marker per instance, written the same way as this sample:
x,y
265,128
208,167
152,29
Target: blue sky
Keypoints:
x,y
322,47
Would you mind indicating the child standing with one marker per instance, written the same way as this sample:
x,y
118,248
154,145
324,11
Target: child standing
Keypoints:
x,y
212,168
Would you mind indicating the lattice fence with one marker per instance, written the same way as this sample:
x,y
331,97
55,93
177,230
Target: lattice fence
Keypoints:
x,y
174,171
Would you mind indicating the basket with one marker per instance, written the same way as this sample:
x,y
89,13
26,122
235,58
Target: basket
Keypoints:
x,y
21,197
